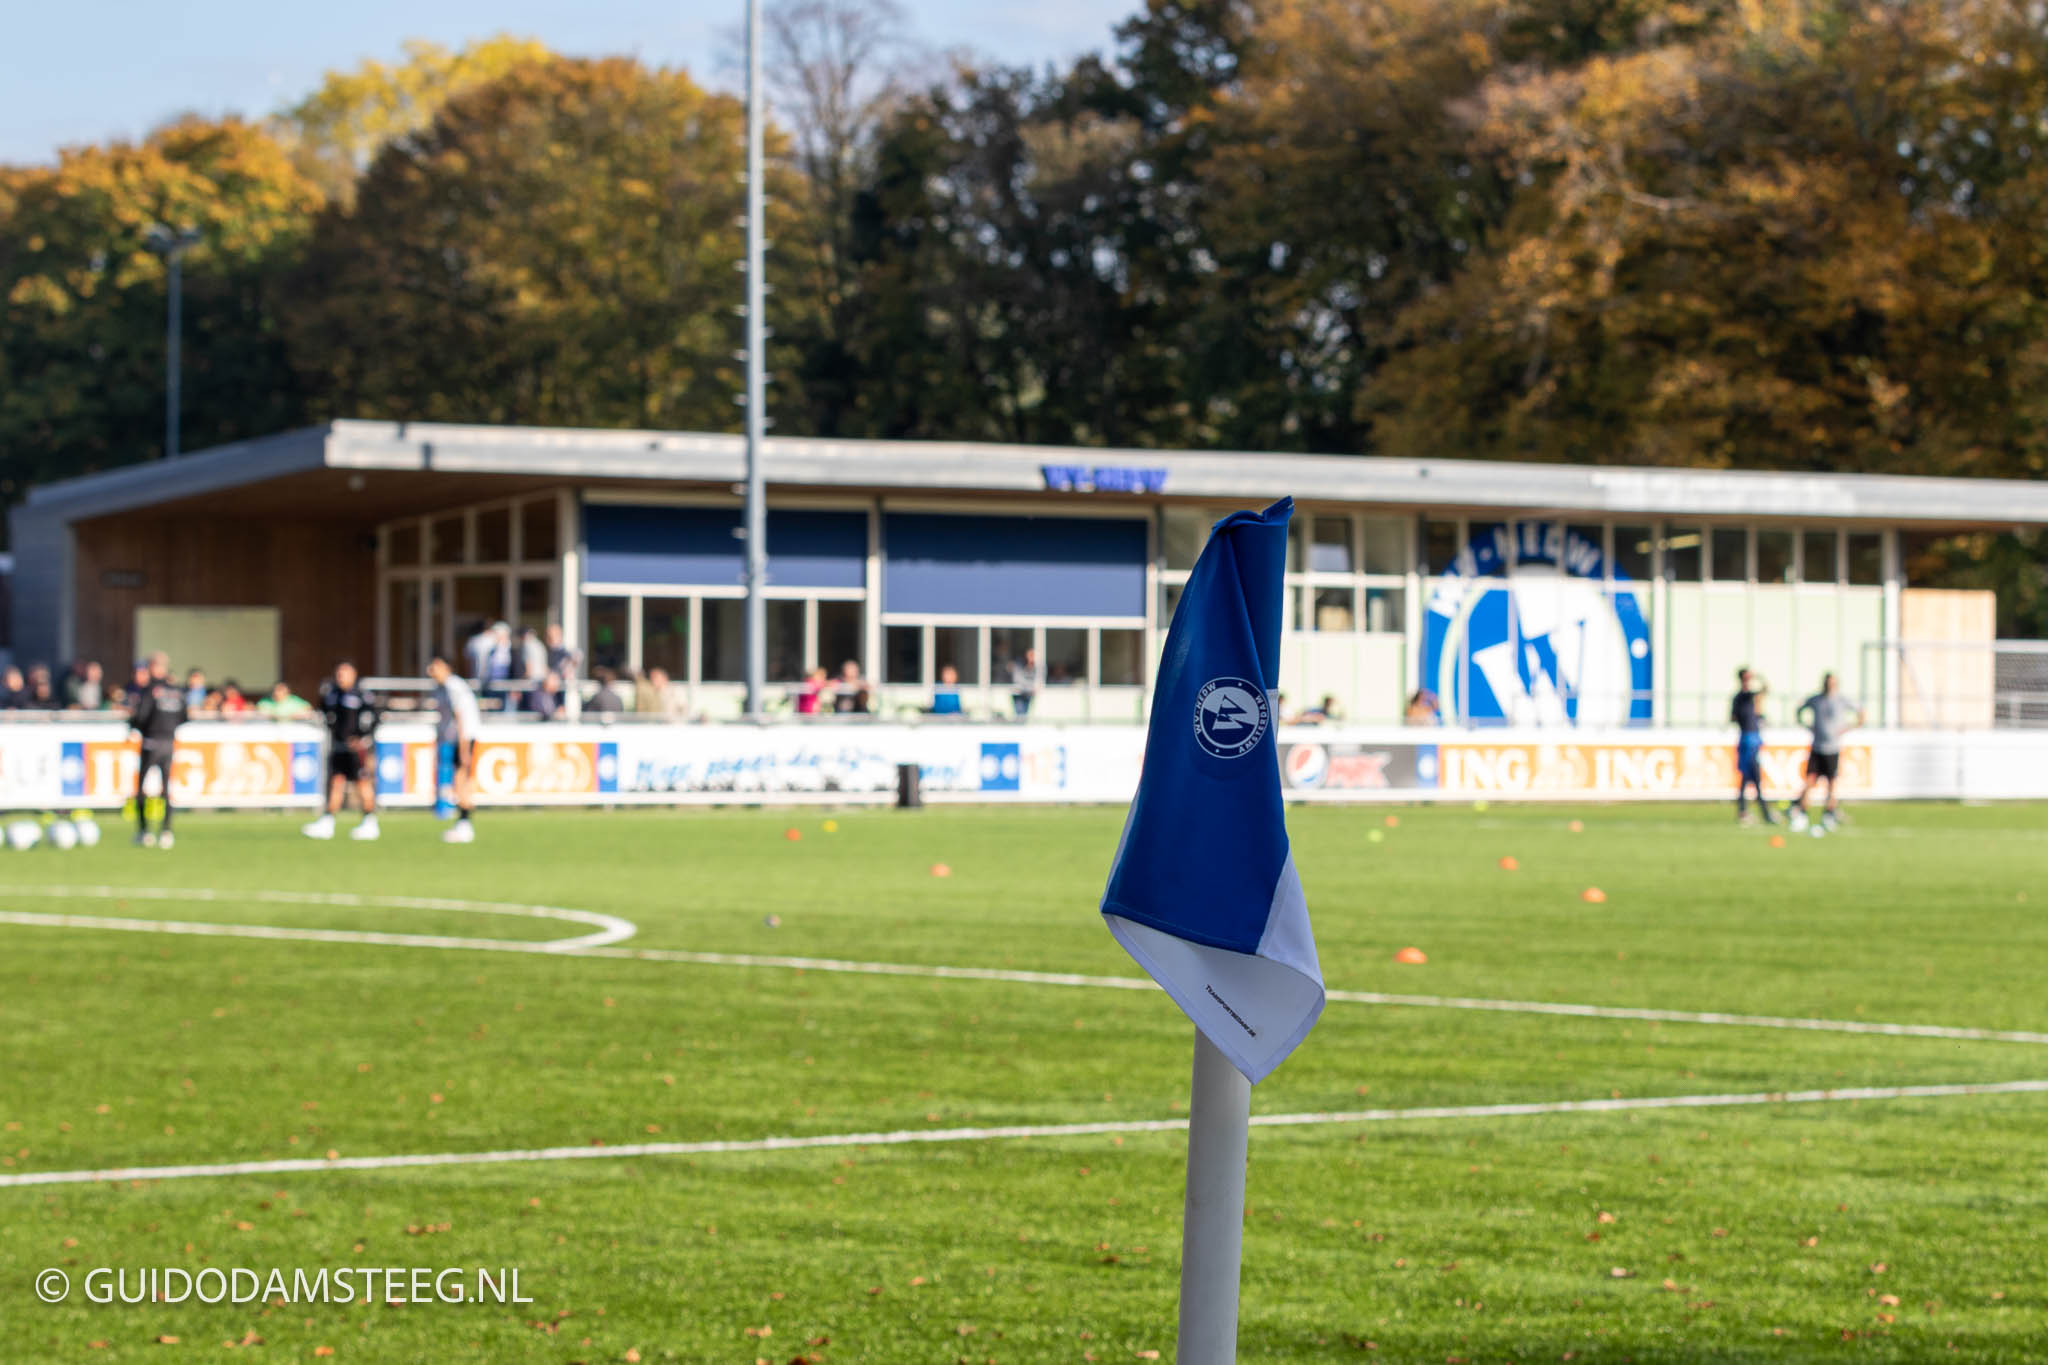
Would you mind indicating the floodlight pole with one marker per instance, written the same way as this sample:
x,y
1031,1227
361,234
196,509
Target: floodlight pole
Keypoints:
x,y
756,400
172,246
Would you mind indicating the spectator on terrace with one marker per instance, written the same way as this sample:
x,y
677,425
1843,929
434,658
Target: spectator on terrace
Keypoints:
x,y
814,690
545,698
604,701
13,689
83,689
195,689
41,695
946,696
283,703
1023,683
562,659
850,691
1422,709
655,695
533,655
232,700
1323,711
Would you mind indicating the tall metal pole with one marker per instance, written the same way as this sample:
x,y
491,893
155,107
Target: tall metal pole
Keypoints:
x,y
172,359
172,246
756,510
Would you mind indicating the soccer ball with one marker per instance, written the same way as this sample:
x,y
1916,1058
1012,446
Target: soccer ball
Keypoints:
x,y
63,835
24,835
1797,819
88,830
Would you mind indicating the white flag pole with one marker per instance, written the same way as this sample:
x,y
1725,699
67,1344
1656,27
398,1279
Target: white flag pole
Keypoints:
x,y
1212,1224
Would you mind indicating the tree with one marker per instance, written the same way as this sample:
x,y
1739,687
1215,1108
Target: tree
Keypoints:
x,y
836,70
557,247
338,129
82,305
1805,238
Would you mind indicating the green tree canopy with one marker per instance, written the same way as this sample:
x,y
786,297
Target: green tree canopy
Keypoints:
x,y
556,247
82,303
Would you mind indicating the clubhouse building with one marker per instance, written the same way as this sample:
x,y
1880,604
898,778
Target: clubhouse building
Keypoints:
x,y
1514,594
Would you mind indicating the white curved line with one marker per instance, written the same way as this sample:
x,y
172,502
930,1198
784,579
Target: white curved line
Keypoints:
x,y
610,928
902,1137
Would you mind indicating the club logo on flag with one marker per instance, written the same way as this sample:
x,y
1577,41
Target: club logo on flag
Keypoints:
x,y
1230,717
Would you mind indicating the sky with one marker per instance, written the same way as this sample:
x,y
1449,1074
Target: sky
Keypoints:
x,y
66,77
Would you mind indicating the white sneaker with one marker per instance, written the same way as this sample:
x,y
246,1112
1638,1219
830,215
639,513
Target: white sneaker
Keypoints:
x,y
166,840
366,830
461,832
1796,818
323,828
144,839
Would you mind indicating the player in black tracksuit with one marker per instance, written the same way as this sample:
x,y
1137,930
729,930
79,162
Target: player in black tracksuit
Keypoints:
x,y
159,711
351,716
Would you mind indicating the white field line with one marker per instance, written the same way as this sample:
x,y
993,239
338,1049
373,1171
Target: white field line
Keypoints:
x,y
615,929
610,928
905,1137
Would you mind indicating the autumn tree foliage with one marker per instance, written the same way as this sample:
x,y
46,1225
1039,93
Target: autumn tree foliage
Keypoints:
x,y
556,247
1802,234
82,300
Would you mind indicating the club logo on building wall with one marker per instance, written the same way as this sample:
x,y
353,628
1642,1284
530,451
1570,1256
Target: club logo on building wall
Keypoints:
x,y
1522,630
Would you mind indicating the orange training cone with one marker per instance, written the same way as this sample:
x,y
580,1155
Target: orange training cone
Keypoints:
x,y
792,835
1413,957
941,870
1508,864
1592,895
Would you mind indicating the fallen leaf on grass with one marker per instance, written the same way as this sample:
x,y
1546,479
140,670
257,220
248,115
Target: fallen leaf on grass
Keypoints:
x,y
1889,1300
762,1331
1620,1273
167,1341
1605,1217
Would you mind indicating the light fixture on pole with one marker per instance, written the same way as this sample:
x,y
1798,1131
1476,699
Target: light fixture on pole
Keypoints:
x,y
756,533
172,246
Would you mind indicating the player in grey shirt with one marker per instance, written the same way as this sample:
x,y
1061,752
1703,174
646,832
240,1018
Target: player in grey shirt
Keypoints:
x,y
1830,715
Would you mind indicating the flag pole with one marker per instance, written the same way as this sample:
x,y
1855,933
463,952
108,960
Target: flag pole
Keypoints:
x,y
1212,1224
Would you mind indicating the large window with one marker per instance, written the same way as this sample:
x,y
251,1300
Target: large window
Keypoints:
x,y
803,632
609,631
447,574
1346,574
665,635
1730,554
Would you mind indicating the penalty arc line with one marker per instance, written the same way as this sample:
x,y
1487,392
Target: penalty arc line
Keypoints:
x,y
905,1137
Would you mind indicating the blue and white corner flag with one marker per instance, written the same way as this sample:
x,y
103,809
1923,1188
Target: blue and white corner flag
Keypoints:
x,y
1203,892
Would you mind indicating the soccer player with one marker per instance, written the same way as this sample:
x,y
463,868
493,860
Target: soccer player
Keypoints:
x,y
158,712
457,732
1749,746
1832,716
351,716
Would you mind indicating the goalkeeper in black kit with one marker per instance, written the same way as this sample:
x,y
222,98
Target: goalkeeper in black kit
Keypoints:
x,y
351,716
159,711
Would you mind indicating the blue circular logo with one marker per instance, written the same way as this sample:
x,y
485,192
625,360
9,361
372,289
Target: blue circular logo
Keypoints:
x,y
1230,716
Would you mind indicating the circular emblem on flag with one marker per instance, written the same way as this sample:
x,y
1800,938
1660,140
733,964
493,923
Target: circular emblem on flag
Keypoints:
x,y
1230,716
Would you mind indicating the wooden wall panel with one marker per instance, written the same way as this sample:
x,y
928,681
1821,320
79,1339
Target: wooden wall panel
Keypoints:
x,y
321,576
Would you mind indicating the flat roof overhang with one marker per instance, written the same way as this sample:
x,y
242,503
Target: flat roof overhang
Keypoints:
x,y
375,471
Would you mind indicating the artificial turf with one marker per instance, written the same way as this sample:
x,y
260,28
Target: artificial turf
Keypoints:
x,y
1882,1230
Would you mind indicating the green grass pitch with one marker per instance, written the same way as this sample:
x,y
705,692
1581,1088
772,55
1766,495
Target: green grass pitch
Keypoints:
x,y
1882,1230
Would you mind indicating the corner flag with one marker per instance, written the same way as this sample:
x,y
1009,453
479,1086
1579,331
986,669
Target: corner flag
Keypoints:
x,y
1203,892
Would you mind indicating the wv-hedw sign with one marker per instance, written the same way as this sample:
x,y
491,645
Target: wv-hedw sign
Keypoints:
x,y
1524,629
